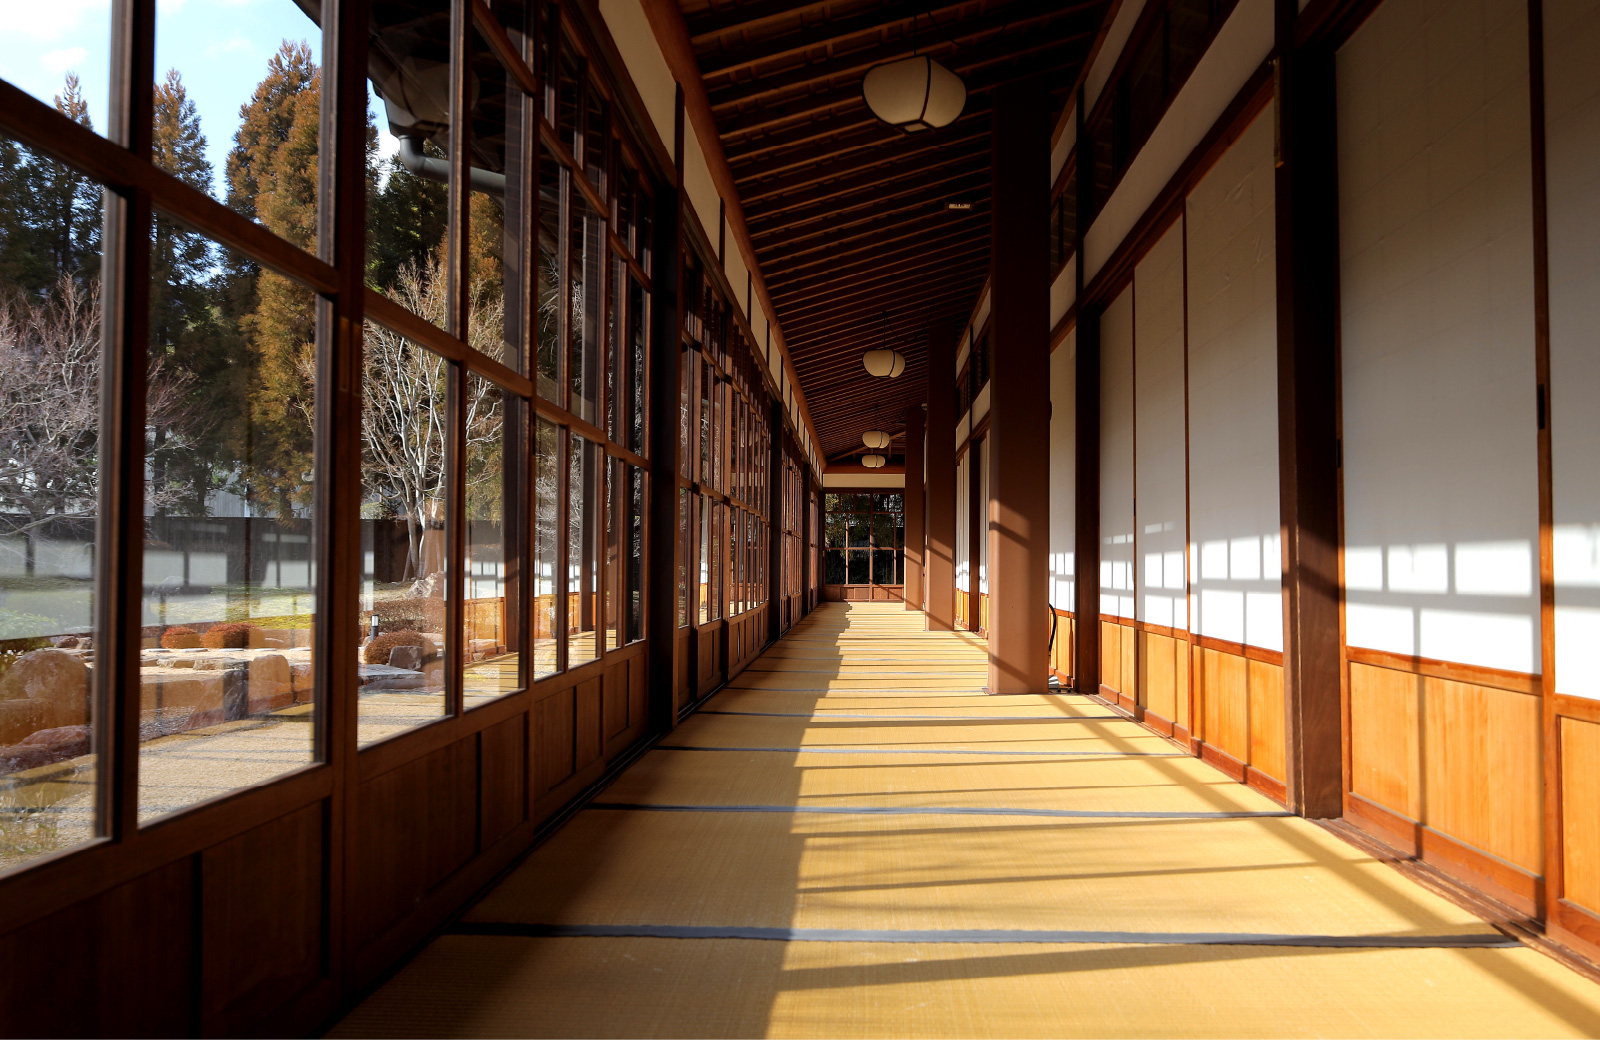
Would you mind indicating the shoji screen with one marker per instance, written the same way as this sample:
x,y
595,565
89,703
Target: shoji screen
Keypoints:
x,y
1118,670
1441,496
963,533
1063,469
1234,558
1572,184
1161,485
1436,286
1572,179
982,461
1116,457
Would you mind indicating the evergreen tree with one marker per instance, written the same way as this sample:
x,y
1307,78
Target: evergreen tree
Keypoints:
x,y
406,221
50,214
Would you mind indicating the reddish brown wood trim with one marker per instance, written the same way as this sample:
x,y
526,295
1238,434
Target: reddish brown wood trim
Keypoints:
x,y
1575,926
1159,724
1068,322
1572,707
1245,650
1498,678
1215,756
1270,786
1158,630
1504,882
1182,735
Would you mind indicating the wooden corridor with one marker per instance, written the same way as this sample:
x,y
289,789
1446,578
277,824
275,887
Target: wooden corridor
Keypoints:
x,y
853,840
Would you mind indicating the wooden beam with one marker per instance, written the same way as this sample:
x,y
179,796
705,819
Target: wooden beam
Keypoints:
x,y
939,566
933,190
1307,258
821,248
827,34
1018,453
711,23
757,185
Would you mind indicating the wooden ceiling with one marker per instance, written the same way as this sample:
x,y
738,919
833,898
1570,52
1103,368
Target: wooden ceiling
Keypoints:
x,y
849,217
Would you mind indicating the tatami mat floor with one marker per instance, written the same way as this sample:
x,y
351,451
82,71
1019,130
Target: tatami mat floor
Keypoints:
x,y
853,841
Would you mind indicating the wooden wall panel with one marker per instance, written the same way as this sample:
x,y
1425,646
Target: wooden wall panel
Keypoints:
x,y
261,921
120,964
554,720
588,724
1111,655
1164,676
1580,812
1224,696
1266,718
503,751
415,825
614,710
1482,769
1461,758
1385,748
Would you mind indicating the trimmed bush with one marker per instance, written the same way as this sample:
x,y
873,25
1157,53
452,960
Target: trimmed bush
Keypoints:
x,y
180,637
377,651
231,635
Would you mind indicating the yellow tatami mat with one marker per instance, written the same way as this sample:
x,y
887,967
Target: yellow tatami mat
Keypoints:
x,y
852,840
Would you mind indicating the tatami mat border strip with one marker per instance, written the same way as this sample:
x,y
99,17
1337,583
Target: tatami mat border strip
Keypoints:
x,y
928,751
976,935
942,810
935,718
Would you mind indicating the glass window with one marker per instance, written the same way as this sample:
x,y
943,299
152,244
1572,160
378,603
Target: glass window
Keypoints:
x,y
552,181
613,554
408,62
546,534
491,654
51,351
62,57
237,109
583,541
705,558
635,586
683,557
637,324
403,533
586,270
229,523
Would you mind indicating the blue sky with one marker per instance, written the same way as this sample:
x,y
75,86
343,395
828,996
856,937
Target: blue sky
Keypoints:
x,y
220,47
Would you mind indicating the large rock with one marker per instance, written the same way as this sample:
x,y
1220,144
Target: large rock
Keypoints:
x,y
406,657
270,683
19,719
54,678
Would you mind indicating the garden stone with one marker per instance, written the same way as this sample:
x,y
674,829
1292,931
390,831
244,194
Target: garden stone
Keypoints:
x,y
408,657
58,680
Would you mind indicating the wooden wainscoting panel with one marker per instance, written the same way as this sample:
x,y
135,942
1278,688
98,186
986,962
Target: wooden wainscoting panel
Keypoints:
x,y
117,964
1385,747
588,738
554,723
504,781
1482,770
1163,674
415,825
983,611
638,707
261,921
1266,718
614,710
1580,813
1225,692
1111,655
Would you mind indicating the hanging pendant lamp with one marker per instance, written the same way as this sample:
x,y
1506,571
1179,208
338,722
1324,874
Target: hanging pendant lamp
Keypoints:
x,y
874,461
884,362
914,94
875,438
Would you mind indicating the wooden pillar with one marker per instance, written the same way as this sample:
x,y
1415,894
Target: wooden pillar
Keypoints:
x,y
977,529
939,565
1019,424
661,578
1306,215
1086,535
915,538
775,523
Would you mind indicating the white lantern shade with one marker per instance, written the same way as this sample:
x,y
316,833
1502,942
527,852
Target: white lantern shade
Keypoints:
x,y
875,439
914,94
884,363
873,461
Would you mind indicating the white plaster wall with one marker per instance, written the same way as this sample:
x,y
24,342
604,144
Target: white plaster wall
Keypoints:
x,y
1161,482
1063,470
1241,45
738,276
1572,179
1235,556
864,480
636,43
1117,544
697,184
1436,288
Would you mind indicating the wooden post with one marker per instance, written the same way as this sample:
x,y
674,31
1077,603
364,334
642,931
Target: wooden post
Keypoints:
x,y
939,565
1086,535
774,545
914,507
661,580
1018,453
1306,217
